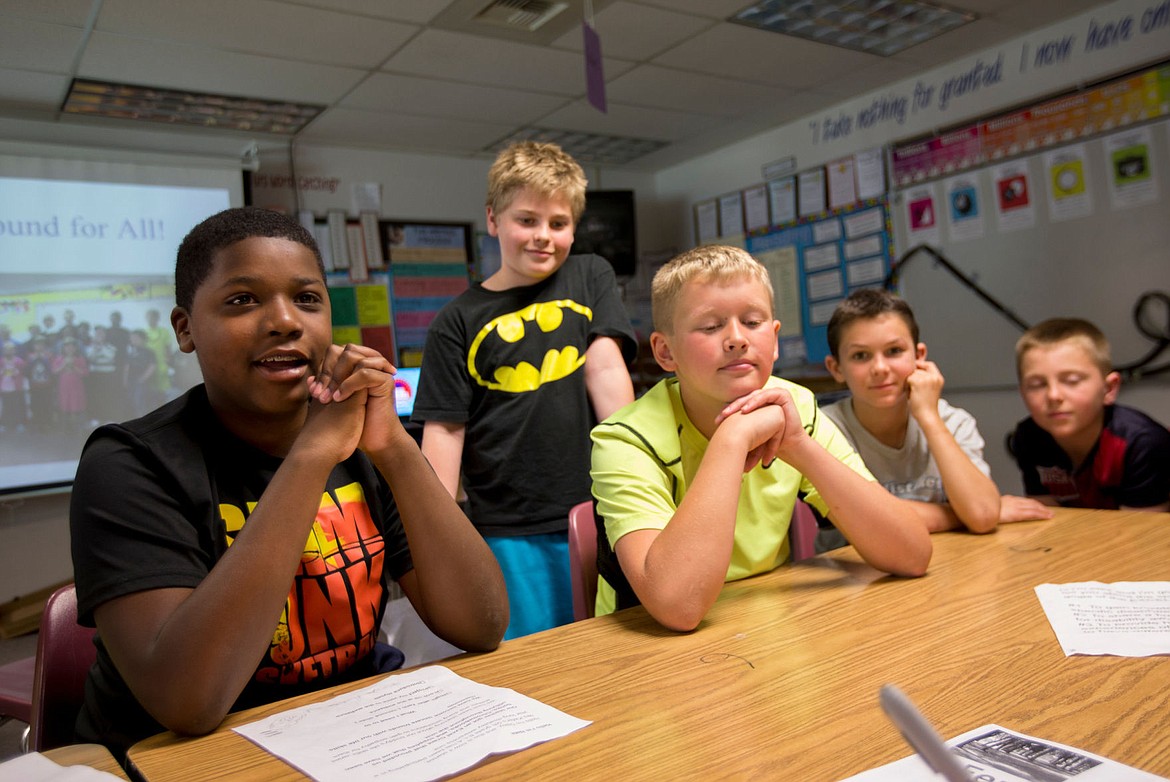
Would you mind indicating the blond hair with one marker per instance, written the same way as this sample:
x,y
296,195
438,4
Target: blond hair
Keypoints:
x,y
544,168
709,263
1055,330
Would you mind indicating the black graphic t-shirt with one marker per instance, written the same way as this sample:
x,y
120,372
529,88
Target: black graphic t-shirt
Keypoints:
x,y
509,365
157,501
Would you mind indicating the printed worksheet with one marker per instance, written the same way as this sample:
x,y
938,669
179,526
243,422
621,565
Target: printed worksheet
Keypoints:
x,y
417,726
994,753
1126,618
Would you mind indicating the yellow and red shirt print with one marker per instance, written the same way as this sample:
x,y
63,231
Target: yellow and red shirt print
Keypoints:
x,y
331,617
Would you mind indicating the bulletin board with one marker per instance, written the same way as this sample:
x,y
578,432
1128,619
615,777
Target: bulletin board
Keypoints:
x,y
1057,209
821,233
816,262
388,279
429,266
361,311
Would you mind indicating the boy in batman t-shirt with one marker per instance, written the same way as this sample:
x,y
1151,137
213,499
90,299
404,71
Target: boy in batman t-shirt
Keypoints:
x,y
515,373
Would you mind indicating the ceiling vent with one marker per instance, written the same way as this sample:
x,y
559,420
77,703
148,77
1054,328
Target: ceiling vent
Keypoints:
x,y
526,15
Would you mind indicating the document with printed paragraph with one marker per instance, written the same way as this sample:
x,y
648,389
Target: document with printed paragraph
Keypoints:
x,y
413,727
1125,618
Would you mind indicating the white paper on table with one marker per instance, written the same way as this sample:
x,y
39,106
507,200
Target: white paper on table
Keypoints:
x,y
1125,618
417,726
994,753
35,767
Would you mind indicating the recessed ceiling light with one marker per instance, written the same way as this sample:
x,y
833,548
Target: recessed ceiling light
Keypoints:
x,y
882,27
152,104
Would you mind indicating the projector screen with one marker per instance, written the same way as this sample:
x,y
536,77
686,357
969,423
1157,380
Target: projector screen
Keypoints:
x,y
87,256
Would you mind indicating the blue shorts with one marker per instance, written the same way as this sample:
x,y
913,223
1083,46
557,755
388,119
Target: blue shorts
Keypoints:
x,y
536,572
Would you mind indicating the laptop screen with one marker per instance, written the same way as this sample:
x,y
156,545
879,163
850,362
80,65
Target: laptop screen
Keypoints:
x,y
405,387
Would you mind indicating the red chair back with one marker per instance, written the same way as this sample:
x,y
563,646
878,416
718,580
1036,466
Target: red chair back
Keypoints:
x,y
65,652
16,680
583,559
802,532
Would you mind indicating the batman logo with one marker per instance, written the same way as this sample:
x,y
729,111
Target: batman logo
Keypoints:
x,y
549,363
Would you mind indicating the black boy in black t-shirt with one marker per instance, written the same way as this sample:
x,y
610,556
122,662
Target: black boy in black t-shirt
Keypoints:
x,y
232,547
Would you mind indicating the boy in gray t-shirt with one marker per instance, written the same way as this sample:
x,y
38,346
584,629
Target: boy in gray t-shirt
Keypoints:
x,y
916,444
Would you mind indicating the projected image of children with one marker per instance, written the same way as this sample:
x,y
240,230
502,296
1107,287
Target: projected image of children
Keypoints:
x,y
83,264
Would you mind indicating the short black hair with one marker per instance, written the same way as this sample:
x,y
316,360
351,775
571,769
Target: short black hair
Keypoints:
x,y
199,246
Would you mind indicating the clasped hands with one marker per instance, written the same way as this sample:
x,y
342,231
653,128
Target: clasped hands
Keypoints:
x,y
768,421
351,400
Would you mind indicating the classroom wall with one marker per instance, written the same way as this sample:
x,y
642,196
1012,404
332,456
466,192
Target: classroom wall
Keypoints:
x,y
930,100
1096,266
1096,269
413,186
33,530
34,533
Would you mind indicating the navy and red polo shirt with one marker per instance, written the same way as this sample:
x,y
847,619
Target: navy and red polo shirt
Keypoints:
x,y
1129,466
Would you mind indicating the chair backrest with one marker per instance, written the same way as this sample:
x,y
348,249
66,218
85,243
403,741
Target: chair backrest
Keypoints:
x,y
16,680
583,559
65,652
802,532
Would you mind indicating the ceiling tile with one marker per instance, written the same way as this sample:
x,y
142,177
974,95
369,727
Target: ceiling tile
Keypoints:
x,y
1029,16
631,121
872,77
385,129
408,76
987,7
636,32
259,27
417,11
32,89
435,98
68,12
736,51
134,61
962,42
668,88
37,46
712,9
496,62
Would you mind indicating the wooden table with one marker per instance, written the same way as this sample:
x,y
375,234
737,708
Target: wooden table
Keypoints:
x,y
781,679
92,755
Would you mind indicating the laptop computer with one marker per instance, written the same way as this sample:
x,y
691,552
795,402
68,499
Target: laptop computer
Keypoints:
x,y
405,388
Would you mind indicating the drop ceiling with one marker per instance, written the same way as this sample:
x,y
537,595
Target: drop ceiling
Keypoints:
x,y
419,76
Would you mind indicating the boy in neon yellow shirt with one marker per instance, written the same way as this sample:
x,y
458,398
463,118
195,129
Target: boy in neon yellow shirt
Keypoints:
x,y
666,468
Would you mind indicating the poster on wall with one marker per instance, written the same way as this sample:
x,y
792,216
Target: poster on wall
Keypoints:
x,y
963,208
1068,193
782,270
362,312
706,222
811,192
1014,204
731,215
871,174
1131,168
430,263
922,216
864,222
755,208
842,185
782,200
